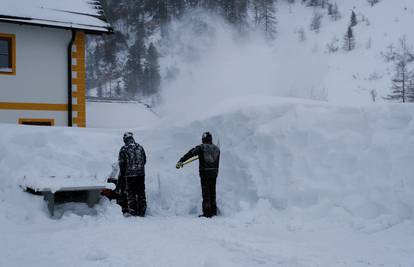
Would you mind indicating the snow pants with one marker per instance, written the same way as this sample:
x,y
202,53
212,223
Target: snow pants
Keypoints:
x,y
121,194
208,189
135,194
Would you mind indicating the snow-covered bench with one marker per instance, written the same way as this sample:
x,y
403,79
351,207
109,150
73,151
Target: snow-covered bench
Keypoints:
x,y
63,189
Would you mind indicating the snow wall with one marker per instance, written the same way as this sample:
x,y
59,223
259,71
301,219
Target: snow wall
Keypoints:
x,y
306,160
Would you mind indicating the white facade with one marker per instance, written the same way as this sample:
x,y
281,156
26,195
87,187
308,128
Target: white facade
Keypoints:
x,y
41,72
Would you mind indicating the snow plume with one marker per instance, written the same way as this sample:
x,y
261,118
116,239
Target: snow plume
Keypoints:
x,y
208,62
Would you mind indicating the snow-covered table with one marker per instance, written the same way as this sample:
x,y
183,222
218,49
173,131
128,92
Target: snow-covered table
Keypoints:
x,y
63,189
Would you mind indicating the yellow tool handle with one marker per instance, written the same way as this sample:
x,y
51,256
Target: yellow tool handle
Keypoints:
x,y
190,160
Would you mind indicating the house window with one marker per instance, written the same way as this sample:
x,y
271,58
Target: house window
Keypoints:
x,y
37,122
7,54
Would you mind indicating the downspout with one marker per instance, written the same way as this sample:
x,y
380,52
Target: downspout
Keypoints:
x,y
70,109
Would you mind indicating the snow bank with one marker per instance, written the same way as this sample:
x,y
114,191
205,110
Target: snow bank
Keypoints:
x,y
119,115
349,165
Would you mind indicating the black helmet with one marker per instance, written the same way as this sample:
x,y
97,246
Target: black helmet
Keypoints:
x,y
128,136
207,138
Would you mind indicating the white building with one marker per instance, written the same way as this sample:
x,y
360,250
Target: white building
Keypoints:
x,y
42,59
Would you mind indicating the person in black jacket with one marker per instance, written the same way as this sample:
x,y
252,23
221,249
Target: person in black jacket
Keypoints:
x,y
132,160
209,159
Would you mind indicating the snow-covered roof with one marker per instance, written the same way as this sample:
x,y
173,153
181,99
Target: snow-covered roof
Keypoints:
x,y
73,14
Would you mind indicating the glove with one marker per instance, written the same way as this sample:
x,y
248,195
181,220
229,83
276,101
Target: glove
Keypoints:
x,y
179,165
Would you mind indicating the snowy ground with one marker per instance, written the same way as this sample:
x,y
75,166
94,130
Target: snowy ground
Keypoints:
x,y
301,183
111,240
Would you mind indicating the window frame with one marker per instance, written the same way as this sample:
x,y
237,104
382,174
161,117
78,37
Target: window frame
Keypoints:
x,y
28,121
12,48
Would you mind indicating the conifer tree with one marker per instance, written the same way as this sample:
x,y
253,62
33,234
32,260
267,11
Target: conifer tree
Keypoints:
x,y
240,14
316,22
134,74
265,17
333,11
354,20
177,7
402,83
349,40
373,2
152,77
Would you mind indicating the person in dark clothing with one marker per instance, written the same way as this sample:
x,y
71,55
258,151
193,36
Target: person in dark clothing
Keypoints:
x,y
132,160
209,158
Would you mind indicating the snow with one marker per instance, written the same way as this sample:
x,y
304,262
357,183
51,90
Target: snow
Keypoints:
x,y
77,14
61,183
325,181
119,115
211,61
302,183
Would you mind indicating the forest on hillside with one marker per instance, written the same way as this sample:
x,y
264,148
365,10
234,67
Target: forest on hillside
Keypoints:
x,y
126,64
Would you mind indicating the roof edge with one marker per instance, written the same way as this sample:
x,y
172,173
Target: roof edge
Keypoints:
x,y
89,29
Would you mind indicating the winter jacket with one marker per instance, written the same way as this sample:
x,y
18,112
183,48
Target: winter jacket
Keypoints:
x,y
132,160
208,156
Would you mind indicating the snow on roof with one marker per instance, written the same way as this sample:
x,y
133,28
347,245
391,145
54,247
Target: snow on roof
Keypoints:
x,y
75,14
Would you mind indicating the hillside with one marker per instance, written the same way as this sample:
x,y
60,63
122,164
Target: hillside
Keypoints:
x,y
205,55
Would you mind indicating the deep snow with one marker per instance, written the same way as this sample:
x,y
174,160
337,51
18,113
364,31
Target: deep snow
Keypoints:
x,y
302,183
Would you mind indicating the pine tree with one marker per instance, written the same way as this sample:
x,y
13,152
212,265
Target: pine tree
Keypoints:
x,y
152,77
333,11
109,64
354,20
91,64
265,17
240,14
161,13
316,22
402,83
411,88
134,74
349,40
177,7
373,2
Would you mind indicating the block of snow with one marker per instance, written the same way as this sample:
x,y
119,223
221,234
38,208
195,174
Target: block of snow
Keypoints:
x,y
62,183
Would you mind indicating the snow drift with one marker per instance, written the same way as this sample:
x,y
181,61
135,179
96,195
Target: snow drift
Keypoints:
x,y
300,184
348,165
